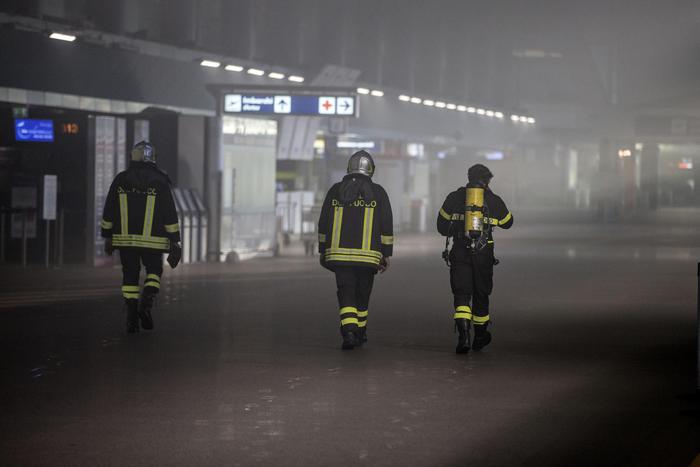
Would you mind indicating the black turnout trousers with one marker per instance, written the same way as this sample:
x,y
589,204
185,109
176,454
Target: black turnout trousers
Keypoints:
x,y
354,289
471,278
131,259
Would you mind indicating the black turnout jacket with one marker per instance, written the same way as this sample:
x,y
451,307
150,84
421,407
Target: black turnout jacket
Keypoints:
x,y
139,211
450,219
356,225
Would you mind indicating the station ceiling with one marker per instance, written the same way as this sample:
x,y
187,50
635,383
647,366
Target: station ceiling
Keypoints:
x,y
638,55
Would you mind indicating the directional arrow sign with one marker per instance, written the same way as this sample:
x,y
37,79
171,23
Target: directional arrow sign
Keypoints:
x,y
345,106
283,104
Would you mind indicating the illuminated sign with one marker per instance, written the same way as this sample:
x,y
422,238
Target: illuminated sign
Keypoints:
x,y
29,130
291,104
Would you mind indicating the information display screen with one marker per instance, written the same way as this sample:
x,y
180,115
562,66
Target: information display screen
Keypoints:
x,y
276,104
29,130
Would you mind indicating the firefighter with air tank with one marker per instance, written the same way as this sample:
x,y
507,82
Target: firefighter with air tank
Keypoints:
x,y
468,217
355,240
140,220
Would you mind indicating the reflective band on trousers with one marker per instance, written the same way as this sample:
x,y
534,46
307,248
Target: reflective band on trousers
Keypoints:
x,y
463,312
480,319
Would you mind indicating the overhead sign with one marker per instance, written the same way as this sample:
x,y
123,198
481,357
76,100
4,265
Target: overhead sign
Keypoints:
x,y
291,104
40,131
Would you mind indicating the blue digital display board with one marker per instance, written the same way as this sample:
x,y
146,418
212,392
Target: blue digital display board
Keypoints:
x,y
37,131
278,104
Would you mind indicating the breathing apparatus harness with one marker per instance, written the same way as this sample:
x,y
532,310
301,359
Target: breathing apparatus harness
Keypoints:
x,y
477,223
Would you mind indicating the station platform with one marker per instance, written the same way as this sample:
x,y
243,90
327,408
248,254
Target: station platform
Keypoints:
x,y
593,360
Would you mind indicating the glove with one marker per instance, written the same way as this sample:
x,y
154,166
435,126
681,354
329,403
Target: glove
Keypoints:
x,y
175,255
109,249
383,265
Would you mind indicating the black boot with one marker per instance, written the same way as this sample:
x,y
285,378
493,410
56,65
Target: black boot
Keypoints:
x,y
132,322
482,337
349,340
361,336
145,307
462,326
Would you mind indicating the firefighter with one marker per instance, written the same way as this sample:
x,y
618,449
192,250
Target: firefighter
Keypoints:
x,y
468,217
139,219
355,240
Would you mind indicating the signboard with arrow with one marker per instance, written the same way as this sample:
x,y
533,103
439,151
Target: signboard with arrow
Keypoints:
x,y
291,104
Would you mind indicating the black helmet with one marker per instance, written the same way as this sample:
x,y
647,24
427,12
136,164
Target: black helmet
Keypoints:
x,y
361,163
479,173
143,151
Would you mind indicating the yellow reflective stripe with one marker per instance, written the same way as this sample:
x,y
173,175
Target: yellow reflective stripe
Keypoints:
x,y
444,214
463,312
506,219
130,288
362,314
172,228
480,319
354,251
321,238
124,212
154,277
348,309
491,220
367,228
350,258
362,324
345,321
337,226
158,243
387,239
130,295
152,284
106,225
148,215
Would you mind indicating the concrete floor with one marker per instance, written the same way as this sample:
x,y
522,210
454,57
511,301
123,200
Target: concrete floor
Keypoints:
x,y
593,360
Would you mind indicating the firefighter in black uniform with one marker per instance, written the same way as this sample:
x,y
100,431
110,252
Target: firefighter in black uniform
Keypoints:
x,y
355,240
139,219
468,216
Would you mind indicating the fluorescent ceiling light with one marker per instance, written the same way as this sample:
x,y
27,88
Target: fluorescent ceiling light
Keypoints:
x,y
530,120
255,72
499,114
429,102
462,108
523,119
416,100
296,79
451,106
515,118
489,113
362,91
404,98
440,105
62,37
210,63
236,68
377,93
275,75
480,111
471,110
